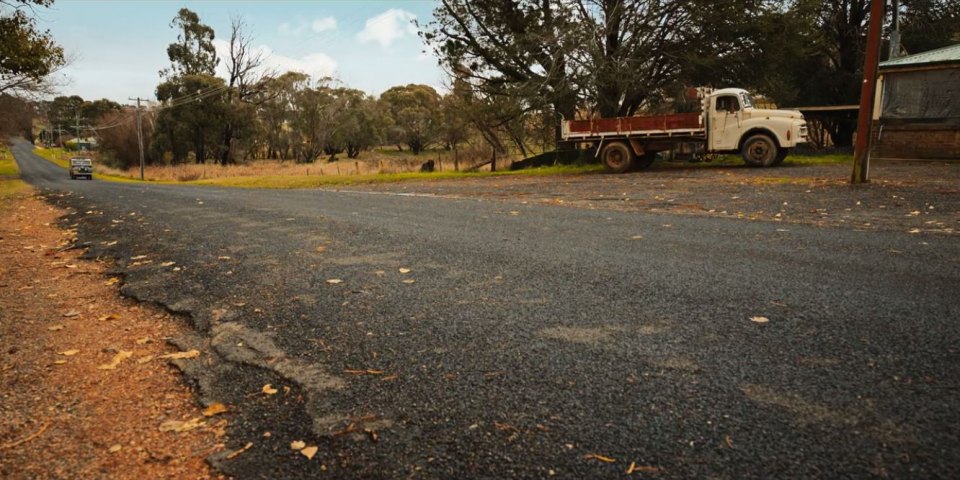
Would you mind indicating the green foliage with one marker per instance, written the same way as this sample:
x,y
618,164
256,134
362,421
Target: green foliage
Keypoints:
x,y
27,55
930,24
193,52
360,123
195,106
414,111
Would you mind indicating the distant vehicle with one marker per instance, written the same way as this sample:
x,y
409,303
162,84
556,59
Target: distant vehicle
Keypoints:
x,y
81,168
726,123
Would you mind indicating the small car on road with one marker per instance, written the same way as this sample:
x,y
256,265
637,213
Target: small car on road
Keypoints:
x,y
81,168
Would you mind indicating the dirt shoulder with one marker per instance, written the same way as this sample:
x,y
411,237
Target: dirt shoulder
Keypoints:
x,y
84,393
915,197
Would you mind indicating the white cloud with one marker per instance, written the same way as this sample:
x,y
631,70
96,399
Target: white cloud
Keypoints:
x,y
300,27
388,27
316,64
323,24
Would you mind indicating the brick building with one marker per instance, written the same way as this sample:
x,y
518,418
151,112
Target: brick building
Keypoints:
x,y
917,114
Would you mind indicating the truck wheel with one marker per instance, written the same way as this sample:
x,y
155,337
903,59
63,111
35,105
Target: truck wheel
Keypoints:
x,y
617,157
645,161
759,151
781,155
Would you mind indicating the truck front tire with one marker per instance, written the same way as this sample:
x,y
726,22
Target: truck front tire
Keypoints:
x,y
760,151
617,157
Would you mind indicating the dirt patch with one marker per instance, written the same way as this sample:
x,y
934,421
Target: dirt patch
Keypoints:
x,y
84,394
914,197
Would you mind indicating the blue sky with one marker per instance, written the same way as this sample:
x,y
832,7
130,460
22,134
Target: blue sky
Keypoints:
x,y
118,48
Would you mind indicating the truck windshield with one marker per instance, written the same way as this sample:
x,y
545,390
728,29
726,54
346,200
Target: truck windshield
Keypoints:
x,y
747,101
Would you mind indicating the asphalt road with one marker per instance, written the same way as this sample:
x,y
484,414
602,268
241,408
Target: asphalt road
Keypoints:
x,y
538,340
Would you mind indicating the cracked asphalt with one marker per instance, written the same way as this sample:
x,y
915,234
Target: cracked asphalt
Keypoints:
x,y
530,340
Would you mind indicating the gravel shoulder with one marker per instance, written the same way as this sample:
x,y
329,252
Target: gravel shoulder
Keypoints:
x,y
84,394
917,197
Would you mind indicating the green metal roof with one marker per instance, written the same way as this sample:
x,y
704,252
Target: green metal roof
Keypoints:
x,y
949,54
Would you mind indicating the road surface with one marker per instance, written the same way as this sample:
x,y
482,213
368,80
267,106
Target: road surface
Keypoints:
x,y
529,341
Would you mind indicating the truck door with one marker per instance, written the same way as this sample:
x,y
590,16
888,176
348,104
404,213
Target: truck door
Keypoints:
x,y
725,120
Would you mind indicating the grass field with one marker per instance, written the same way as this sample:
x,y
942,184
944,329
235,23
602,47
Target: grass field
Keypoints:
x,y
10,183
383,165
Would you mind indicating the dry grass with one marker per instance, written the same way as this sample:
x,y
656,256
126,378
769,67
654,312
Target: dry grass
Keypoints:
x,y
384,161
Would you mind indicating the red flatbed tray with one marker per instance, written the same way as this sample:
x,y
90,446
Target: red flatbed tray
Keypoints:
x,y
624,125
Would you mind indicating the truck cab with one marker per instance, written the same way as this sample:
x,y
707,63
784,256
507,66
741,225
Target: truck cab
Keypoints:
x,y
764,137
81,168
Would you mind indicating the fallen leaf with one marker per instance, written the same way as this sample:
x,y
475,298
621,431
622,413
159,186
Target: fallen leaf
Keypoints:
x,y
181,355
321,248
409,281
405,270
594,456
181,426
636,237
214,409
115,361
116,448
71,313
246,447
112,316
223,257
110,244
142,360
59,362
69,353
309,452
297,445
143,341
138,257
269,390
914,230
168,264
54,328
70,265
112,281
759,319
334,281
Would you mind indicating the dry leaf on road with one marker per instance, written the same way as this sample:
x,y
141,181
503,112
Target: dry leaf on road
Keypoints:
x,y
309,452
115,361
181,355
246,447
111,281
759,319
594,456
269,390
298,445
179,426
54,328
405,270
69,353
409,281
334,281
215,408
71,313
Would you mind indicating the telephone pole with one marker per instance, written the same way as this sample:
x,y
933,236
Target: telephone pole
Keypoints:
x,y
139,134
861,152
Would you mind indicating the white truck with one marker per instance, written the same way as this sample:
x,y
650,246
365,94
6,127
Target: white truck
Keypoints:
x,y
727,123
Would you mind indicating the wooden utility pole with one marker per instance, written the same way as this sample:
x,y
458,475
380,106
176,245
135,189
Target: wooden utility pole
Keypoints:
x,y
139,135
861,153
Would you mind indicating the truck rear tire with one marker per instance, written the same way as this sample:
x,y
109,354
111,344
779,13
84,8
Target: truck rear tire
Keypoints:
x,y
759,151
617,157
